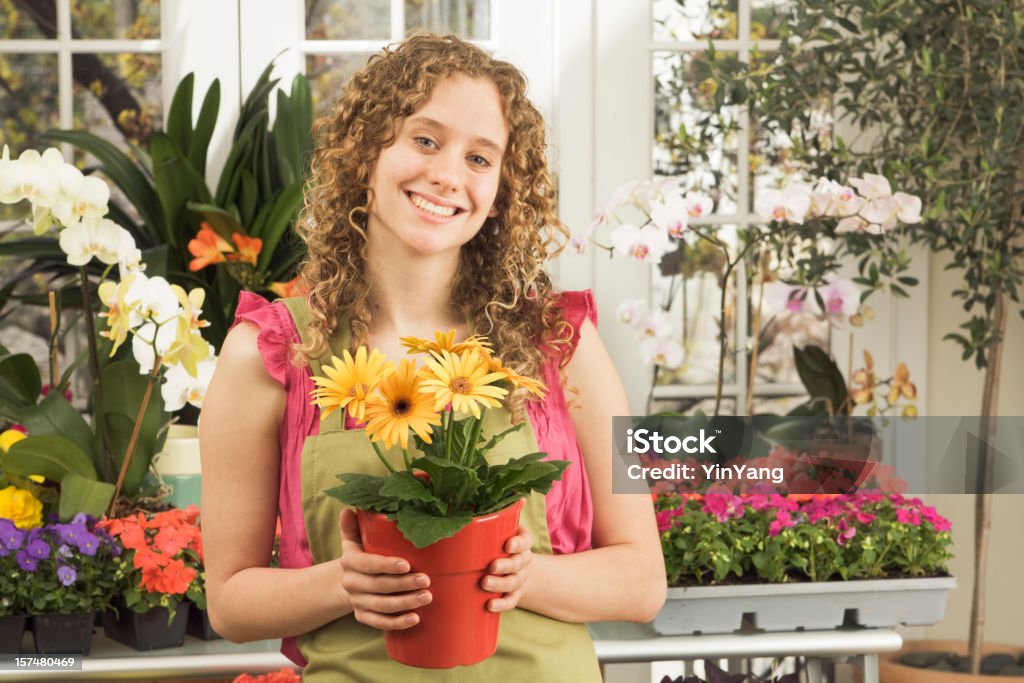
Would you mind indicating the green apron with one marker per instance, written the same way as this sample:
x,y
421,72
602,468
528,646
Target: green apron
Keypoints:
x,y
530,646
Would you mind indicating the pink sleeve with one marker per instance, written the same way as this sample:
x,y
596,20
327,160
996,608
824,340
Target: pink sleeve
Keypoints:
x,y
578,307
276,332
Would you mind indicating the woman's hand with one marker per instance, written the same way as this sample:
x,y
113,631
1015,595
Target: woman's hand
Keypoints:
x,y
380,589
509,574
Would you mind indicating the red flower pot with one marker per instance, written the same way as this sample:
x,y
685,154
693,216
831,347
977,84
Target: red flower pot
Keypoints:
x,y
456,628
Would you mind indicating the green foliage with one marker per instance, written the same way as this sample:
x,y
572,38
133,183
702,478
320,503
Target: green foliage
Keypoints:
x,y
258,194
440,492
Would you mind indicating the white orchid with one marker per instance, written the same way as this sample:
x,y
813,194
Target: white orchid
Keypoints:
x,y
39,176
880,213
872,186
671,214
789,204
664,352
10,183
909,210
780,297
150,340
834,199
632,311
129,256
89,237
656,325
841,297
180,387
155,299
643,244
698,204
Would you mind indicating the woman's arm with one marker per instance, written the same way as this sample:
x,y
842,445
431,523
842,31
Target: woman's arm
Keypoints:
x,y
247,599
623,576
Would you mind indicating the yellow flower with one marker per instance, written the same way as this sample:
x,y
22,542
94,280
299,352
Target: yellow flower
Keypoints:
x,y
518,381
350,382
9,438
21,507
446,342
901,384
864,377
464,380
401,406
119,312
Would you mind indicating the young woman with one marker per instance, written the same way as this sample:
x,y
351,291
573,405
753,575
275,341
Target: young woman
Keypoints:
x,y
430,208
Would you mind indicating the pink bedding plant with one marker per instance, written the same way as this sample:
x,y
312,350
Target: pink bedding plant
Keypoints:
x,y
764,537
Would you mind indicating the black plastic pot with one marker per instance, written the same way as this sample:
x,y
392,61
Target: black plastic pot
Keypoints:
x,y
63,634
12,628
199,624
146,631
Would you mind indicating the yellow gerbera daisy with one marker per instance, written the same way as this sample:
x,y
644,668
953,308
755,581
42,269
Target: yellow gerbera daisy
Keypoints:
x,y
350,382
445,342
463,380
400,407
516,380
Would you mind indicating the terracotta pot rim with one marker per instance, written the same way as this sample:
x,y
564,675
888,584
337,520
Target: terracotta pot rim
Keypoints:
x,y
479,518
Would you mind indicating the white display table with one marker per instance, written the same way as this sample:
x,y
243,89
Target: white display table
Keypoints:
x,y
614,642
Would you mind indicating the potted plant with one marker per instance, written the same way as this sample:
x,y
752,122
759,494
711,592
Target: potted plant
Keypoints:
x,y
60,575
98,465
158,573
446,509
927,88
810,561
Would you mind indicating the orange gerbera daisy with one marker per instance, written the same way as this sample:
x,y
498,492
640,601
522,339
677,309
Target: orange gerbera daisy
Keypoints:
x,y
446,342
516,380
350,382
464,380
401,406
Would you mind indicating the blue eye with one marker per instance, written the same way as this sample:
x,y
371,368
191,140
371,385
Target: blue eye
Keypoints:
x,y
478,160
422,141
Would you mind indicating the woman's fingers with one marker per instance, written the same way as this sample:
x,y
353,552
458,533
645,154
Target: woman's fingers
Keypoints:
x,y
358,582
505,603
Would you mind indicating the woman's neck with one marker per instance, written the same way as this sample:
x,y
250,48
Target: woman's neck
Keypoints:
x,y
412,296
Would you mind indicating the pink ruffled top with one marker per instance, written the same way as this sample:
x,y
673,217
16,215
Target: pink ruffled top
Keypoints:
x,y
569,507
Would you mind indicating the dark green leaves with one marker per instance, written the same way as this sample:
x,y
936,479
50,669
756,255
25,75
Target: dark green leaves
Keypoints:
x,y
422,528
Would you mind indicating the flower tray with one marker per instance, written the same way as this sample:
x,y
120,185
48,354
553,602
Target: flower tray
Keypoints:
x,y
148,630
804,606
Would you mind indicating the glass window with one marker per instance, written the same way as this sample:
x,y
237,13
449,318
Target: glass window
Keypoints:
x,y
115,19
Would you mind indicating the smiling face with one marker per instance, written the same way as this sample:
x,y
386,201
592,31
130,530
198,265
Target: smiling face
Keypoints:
x,y
434,187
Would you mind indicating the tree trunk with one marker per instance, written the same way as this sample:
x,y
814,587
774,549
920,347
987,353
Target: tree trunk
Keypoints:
x,y
983,502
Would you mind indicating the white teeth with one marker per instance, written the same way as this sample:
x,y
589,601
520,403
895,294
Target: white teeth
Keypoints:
x,y
439,211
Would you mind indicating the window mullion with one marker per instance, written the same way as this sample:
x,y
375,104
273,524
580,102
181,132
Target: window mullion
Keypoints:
x,y
397,19
64,73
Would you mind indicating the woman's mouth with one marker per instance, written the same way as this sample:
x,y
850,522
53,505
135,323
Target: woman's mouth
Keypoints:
x,y
430,209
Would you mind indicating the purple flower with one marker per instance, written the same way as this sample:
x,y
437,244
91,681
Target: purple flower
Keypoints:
x,y
81,518
38,549
64,550
26,561
67,575
87,543
11,536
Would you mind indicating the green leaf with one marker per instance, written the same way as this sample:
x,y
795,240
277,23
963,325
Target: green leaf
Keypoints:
x,y
49,456
34,247
285,208
179,116
448,478
222,222
519,476
119,430
54,415
423,529
20,384
820,375
406,487
177,183
362,491
123,390
78,494
205,124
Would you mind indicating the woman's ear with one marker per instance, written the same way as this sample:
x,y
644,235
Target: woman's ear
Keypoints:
x,y
493,212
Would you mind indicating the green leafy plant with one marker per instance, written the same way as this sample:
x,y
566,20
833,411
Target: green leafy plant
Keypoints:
x,y
257,196
451,481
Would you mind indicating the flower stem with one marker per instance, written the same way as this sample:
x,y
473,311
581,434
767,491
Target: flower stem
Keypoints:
x,y
94,361
447,418
380,455
153,377
405,457
473,438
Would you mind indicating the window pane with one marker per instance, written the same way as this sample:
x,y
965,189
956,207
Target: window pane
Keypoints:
x,y
28,108
693,136
37,21
470,19
347,20
115,19
768,16
686,20
328,75
117,96
694,299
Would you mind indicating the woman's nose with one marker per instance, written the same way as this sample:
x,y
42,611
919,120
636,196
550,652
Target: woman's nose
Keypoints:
x,y
443,171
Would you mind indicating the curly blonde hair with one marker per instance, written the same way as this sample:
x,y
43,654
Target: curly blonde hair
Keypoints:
x,y
500,288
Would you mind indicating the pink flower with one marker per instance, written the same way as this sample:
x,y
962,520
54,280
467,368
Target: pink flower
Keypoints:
x,y
724,506
908,516
846,531
782,520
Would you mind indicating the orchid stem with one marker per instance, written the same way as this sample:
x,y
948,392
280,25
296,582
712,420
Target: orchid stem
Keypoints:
x,y
153,376
94,361
380,455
